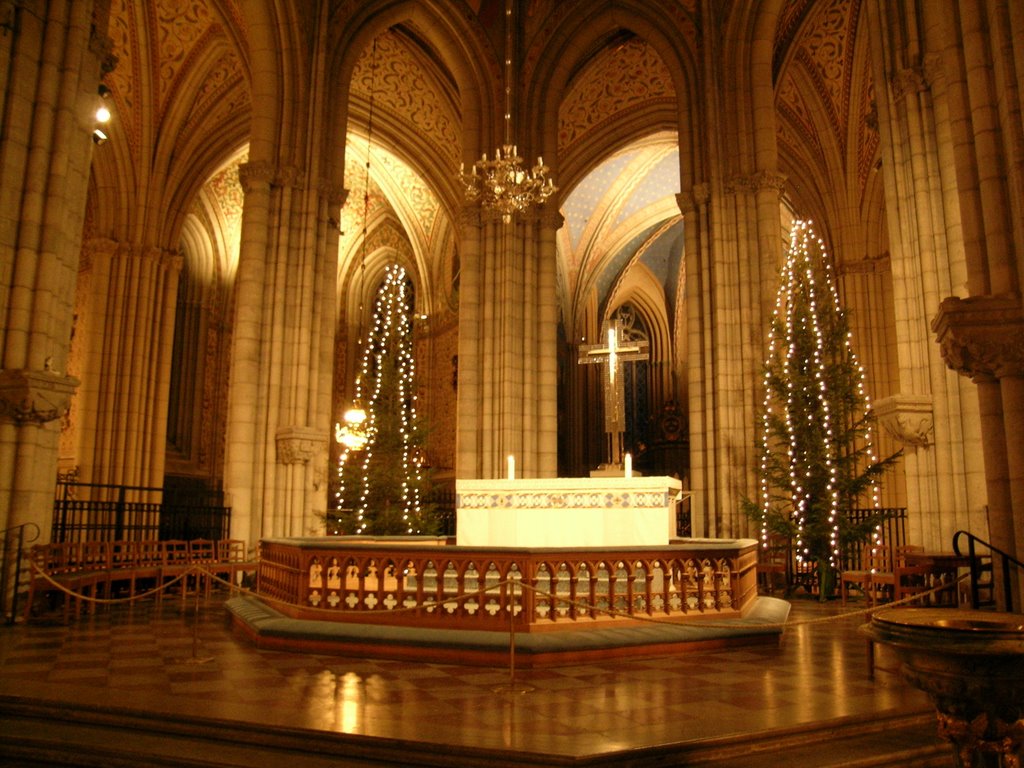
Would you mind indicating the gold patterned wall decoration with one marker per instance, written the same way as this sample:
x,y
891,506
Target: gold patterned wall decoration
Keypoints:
x,y
796,128
180,30
868,138
407,89
791,17
125,81
418,200
826,52
160,48
619,79
224,93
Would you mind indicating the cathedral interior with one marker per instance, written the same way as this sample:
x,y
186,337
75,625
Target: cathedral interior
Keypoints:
x,y
200,200
183,287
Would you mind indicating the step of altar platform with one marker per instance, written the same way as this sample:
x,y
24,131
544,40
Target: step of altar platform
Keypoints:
x,y
884,741
38,733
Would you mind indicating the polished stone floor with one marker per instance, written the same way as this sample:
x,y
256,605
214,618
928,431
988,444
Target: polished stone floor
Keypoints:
x,y
183,659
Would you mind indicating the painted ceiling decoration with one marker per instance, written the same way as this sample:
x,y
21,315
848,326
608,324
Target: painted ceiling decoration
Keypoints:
x,y
622,208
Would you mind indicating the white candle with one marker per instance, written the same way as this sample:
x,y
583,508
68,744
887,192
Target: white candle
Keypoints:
x,y
629,464
511,467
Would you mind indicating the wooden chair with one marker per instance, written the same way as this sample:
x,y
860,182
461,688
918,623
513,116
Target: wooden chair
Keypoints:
x,y
881,579
122,567
203,553
885,580
175,561
149,566
910,580
232,560
773,560
875,571
93,571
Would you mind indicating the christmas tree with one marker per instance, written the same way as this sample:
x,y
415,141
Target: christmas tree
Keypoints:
x,y
381,479
817,456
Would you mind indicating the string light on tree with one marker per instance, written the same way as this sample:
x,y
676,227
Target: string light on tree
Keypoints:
x,y
817,459
381,484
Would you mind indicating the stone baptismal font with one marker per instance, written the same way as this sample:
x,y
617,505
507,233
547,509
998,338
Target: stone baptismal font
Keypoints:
x,y
971,665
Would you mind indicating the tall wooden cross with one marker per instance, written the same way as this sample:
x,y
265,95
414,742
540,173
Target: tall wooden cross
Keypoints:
x,y
616,348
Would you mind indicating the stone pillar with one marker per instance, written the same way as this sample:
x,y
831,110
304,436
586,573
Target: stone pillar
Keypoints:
x,y
981,338
932,413
546,362
508,346
51,68
724,284
694,207
126,349
470,385
972,61
279,412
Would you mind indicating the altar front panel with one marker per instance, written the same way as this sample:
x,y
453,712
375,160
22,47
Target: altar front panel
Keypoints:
x,y
566,512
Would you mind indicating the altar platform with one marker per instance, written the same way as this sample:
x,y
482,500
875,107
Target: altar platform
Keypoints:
x,y
426,598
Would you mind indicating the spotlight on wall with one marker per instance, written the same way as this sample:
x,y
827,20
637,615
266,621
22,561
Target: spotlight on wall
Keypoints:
x,y
102,116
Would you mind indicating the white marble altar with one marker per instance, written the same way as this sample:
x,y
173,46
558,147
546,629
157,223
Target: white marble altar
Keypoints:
x,y
567,512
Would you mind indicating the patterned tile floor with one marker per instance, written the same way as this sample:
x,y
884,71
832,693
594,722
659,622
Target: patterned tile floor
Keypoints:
x,y
171,658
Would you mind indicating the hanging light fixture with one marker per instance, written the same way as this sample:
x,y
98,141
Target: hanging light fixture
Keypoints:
x,y
503,185
354,432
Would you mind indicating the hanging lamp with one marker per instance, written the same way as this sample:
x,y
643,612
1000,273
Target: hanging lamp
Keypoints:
x,y
502,185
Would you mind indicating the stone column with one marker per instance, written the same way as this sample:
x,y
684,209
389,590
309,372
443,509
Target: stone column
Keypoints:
x,y
972,62
51,68
279,413
932,414
694,207
126,348
983,338
726,283
547,347
507,347
470,385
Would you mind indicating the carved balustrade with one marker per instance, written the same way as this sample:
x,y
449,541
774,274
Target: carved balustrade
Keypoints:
x,y
430,584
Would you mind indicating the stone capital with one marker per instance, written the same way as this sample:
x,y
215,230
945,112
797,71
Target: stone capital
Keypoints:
x,y
255,175
907,82
334,192
774,182
698,198
982,337
35,397
299,444
877,265
756,182
102,47
909,419
551,219
471,216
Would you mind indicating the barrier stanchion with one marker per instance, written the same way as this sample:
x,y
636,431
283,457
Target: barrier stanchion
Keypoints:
x,y
195,658
511,686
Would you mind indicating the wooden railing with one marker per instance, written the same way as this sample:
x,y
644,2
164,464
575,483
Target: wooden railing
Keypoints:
x,y
82,571
433,585
995,560
13,566
102,512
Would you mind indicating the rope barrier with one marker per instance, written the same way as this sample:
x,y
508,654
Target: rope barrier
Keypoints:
x,y
111,600
434,604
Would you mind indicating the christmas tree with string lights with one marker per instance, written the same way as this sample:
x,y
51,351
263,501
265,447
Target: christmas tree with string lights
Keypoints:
x,y
817,458
382,483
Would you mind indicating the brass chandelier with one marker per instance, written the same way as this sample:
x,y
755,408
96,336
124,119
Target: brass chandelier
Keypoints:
x,y
503,185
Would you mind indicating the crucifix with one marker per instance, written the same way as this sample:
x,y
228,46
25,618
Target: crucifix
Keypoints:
x,y
617,348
